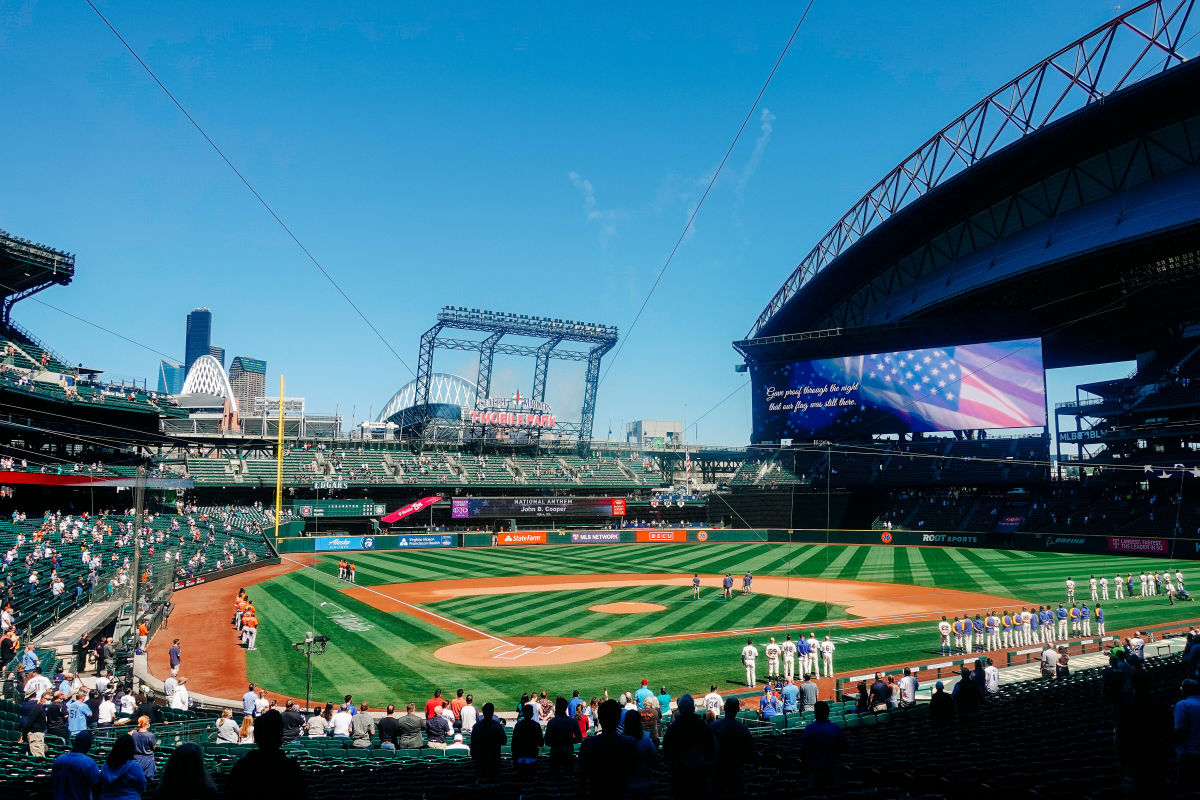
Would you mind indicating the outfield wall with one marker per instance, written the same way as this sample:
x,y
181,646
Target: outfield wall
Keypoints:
x,y
1098,545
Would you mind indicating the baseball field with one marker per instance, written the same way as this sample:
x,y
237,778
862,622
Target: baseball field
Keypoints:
x,y
506,620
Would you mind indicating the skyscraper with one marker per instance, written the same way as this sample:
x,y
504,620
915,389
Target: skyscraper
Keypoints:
x,y
199,337
170,377
218,353
248,379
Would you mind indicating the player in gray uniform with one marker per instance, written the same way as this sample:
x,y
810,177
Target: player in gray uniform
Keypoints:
x,y
749,656
696,586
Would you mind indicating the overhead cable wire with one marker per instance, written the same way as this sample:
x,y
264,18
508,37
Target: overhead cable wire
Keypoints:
x,y
704,196
250,187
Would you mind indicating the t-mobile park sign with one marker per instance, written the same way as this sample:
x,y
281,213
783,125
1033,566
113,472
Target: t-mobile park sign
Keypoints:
x,y
518,412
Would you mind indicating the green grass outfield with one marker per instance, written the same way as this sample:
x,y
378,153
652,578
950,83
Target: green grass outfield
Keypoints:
x,y
388,657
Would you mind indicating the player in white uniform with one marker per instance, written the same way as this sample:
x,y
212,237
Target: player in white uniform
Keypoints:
x,y
1142,584
827,649
1104,588
944,632
789,658
713,701
1178,579
772,651
1092,586
1026,627
749,656
1119,586
814,655
1070,591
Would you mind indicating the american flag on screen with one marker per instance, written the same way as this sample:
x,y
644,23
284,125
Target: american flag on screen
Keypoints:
x,y
998,385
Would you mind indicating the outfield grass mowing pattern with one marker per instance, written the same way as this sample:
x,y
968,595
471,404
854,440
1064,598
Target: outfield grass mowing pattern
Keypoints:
x,y
394,662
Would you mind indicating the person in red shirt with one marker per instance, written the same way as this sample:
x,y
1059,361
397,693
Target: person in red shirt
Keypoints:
x,y
434,706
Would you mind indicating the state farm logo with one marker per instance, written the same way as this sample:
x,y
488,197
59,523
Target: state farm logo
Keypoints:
x,y
523,537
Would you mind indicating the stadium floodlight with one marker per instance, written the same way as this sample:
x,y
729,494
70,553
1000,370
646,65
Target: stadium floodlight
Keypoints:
x,y
312,645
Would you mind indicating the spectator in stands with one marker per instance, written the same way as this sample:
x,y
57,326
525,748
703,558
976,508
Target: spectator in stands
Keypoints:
x,y
227,729
526,742
562,734
266,771
321,723
249,700
941,706
967,694
362,728
689,750
389,729
341,722
144,746
821,748
246,731
293,722
1187,736
78,714
606,759
645,751
467,715
487,738
74,775
33,725
1142,740
185,777
121,777
412,728
735,751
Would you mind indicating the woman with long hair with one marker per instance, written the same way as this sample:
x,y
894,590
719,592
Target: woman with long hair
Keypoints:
x,y
321,723
121,777
144,747
246,734
227,729
185,777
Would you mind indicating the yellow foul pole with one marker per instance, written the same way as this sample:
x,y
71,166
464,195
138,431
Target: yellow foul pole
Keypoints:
x,y
279,466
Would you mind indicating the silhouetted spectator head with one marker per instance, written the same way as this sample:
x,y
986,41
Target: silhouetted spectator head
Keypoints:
x,y
488,710
268,730
82,742
610,715
560,705
732,707
185,774
527,711
686,704
633,724
121,752
821,711
1190,687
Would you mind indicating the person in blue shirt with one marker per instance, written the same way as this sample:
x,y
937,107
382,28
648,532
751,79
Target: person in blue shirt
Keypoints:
x,y
29,659
664,701
791,698
1099,621
1047,619
769,705
1085,619
641,694
802,651
77,714
75,773
1035,626
978,627
249,699
1060,614
990,627
574,703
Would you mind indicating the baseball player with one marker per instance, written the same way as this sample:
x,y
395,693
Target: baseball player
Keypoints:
x,y
1006,623
1035,626
1178,579
1104,588
1073,611
1070,591
1099,621
804,650
772,651
1085,620
746,583
1129,584
992,639
1119,587
1061,615
957,627
827,649
749,656
977,625
968,634
789,658
944,633
1027,625
1046,617
696,586
713,701
814,655
1092,584
1142,578
727,585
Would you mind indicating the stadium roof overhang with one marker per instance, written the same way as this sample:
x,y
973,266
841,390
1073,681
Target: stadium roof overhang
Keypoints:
x,y
1095,204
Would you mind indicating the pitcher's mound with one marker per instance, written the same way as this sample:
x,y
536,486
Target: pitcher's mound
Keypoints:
x,y
626,608
525,651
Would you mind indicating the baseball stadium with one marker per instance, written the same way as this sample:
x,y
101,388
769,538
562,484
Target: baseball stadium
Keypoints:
x,y
911,522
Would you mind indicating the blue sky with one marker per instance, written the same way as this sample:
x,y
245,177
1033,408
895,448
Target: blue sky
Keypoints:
x,y
538,158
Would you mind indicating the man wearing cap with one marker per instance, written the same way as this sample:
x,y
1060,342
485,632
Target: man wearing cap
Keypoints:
x,y
641,694
458,745
74,774
175,656
179,700
827,648
749,656
814,654
804,651
727,586
772,651
696,586
788,648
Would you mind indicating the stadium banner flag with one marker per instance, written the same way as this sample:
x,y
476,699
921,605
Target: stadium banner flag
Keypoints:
x,y
661,536
423,541
1129,544
595,537
521,537
328,543
412,508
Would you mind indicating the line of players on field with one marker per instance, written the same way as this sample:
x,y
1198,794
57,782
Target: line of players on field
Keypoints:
x,y
1023,628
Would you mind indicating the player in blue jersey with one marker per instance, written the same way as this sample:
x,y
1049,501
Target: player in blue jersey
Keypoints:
x,y
1085,620
1060,614
1046,616
1099,621
990,628
1035,627
977,625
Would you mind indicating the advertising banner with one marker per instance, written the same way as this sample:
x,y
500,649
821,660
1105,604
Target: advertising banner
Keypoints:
x,y
328,543
1128,544
422,541
952,539
661,536
411,508
521,537
595,537
974,386
468,507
